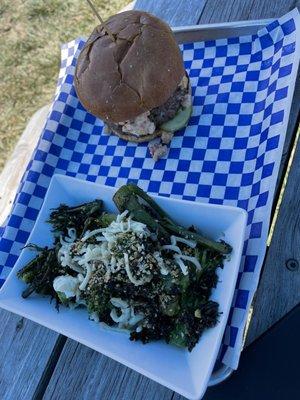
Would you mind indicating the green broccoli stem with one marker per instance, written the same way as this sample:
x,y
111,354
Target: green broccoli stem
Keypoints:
x,y
65,217
40,272
90,208
127,198
151,203
31,265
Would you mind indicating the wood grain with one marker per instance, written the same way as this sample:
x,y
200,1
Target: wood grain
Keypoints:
x,y
176,13
26,350
90,375
238,10
227,10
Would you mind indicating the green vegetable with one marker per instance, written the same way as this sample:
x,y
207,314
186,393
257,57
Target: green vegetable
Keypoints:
x,y
180,120
129,198
106,219
179,336
220,247
98,302
63,298
78,217
40,272
174,307
170,306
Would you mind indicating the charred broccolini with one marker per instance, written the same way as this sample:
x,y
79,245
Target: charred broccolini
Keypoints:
x,y
137,270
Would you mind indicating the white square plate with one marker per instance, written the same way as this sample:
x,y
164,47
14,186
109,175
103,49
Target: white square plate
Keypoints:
x,y
185,372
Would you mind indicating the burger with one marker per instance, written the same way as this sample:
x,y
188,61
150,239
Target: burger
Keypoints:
x,y
135,83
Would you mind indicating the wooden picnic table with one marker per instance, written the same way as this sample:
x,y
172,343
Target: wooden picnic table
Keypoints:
x,y
36,362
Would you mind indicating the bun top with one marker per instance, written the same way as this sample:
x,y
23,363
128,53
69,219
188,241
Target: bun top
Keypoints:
x,y
119,80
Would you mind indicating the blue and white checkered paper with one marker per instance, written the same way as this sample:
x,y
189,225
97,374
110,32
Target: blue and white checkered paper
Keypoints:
x,y
229,154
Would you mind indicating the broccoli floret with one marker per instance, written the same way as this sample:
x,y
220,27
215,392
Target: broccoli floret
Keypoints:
x,y
97,297
65,217
40,273
169,305
63,298
106,219
179,336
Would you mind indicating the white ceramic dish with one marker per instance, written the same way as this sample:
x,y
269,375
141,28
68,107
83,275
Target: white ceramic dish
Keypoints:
x,y
186,373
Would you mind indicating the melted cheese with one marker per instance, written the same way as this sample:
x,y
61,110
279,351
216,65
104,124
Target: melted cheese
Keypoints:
x,y
118,302
87,254
181,264
70,238
64,253
191,259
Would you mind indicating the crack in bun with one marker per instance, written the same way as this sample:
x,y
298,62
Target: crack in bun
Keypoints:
x,y
117,81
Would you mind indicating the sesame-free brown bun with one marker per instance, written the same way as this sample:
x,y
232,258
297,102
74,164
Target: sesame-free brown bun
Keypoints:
x,y
119,80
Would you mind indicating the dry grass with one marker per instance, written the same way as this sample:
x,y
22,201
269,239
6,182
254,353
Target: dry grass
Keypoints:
x,y
31,32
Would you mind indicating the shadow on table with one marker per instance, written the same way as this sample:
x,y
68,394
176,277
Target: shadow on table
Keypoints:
x,y
269,368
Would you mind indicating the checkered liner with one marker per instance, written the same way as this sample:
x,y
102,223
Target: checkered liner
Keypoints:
x,y
229,154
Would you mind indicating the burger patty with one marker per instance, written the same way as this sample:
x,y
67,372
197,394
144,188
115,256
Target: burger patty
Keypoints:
x,y
168,110
161,114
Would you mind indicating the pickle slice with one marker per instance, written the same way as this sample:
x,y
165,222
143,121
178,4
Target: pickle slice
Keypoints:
x,y
179,121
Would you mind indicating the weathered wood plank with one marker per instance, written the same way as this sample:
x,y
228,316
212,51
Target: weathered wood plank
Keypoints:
x,y
82,373
176,13
238,10
273,9
26,349
226,11
278,291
